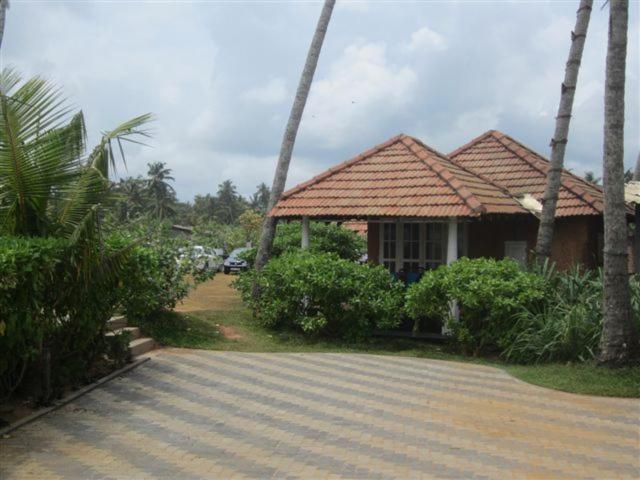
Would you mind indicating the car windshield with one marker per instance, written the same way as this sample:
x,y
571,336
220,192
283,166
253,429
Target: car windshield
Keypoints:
x,y
237,252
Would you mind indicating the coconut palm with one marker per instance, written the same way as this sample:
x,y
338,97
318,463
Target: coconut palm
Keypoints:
x,y
48,184
559,141
291,131
619,342
161,192
4,4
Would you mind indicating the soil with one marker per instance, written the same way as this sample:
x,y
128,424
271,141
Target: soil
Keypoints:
x,y
230,332
215,294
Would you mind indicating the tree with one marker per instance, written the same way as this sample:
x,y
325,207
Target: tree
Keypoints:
x,y
229,204
131,199
291,131
48,186
559,140
161,192
4,4
260,200
636,221
589,176
619,341
250,222
204,207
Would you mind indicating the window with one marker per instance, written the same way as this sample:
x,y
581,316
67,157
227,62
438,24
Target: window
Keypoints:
x,y
389,246
516,251
411,247
434,254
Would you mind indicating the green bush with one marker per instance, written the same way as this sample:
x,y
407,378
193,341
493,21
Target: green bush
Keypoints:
x,y
489,294
154,277
323,238
568,325
50,301
321,293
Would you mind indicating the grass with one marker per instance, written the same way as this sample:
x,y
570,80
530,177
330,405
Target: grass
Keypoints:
x,y
227,325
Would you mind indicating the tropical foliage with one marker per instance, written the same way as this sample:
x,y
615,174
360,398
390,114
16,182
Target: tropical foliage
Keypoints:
x,y
323,238
323,294
62,276
49,185
488,294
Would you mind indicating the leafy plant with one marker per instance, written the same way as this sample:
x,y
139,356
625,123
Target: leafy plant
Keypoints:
x,y
321,293
489,293
568,325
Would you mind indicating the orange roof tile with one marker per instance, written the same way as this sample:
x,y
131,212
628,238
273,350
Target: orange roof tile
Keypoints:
x,y
358,226
520,170
401,177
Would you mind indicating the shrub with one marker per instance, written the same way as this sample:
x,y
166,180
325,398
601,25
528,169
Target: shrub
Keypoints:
x,y
56,296
489,293
321,293
153,278
568,325
50,300
323,238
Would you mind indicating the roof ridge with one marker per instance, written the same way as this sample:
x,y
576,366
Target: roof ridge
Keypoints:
x,y
481,176
456,185
472,142
341,166
534,159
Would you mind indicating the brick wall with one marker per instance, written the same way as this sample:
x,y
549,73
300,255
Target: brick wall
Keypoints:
x,y
575,238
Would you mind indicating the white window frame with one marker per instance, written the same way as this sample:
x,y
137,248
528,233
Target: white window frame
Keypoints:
x,y
520,244
381,252
400,260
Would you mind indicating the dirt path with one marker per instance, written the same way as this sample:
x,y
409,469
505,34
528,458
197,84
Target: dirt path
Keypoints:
x,y
216,294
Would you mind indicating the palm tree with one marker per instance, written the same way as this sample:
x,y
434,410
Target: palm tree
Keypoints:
x,y
559,140
636,221
291,131
260,200
4,4
160,190
619,341
589,176
48,185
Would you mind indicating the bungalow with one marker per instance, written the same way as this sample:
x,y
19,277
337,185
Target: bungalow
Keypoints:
x,y
424,208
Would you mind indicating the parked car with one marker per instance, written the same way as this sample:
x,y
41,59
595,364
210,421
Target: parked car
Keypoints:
x,y
233,263
204,258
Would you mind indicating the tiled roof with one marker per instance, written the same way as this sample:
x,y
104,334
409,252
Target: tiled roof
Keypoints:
x,y
520,170
358,226
401,177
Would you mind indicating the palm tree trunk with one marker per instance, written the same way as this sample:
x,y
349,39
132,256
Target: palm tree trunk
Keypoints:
x,y
559,140
619,342
636,233
4,4
282,169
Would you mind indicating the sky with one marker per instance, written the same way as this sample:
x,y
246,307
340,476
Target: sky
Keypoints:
x,y
220,77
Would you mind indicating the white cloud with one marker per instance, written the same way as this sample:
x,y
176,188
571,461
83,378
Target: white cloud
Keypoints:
x,y
275,91
362,89
426,40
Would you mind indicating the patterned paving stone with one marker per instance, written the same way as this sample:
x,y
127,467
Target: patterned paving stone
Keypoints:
x,y
190,414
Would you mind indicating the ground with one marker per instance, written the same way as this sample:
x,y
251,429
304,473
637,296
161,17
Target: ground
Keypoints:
x,y
213,317
206,414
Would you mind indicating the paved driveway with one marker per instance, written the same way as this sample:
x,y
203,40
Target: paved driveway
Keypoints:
x,y
197,414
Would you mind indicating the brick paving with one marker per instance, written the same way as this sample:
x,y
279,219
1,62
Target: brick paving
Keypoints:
x,y
190,414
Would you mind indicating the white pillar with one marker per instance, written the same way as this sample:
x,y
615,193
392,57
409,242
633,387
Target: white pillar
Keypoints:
x,y
305,233
452,256
452,241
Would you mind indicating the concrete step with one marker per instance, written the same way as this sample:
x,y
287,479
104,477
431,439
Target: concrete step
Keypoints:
x,y
116,322
134,332
140,346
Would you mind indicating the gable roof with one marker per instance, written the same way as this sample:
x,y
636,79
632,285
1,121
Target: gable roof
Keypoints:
x,y
508,163
401,177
